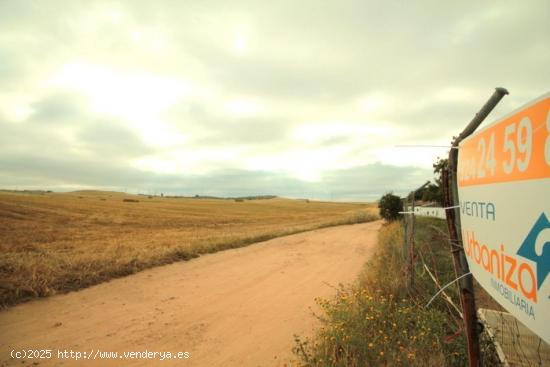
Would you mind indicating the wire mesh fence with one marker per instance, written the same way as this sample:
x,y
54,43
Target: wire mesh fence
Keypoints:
x,y
512,342
515,343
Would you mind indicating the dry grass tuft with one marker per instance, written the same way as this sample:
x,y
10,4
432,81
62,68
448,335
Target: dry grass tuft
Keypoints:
x,y
60,242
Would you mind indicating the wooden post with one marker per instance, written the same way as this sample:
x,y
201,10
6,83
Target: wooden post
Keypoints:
x,y
450,196
412,244
405,231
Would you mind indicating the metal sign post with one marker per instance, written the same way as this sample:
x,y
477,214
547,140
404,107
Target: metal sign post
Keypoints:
x,y
466,288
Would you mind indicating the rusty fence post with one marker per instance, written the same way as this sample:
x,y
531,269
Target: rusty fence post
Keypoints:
x,y
450,196
405,231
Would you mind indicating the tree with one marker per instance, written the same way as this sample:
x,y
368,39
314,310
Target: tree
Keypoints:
x,y
390,205
418,194
431,193
439,165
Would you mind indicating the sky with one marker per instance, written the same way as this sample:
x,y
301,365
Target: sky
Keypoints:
x,y
305,99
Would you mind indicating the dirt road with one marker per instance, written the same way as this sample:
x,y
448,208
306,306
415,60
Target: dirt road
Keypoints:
x,y
234,308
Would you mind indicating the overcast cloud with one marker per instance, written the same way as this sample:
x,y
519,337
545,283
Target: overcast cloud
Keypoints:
x,y
300,99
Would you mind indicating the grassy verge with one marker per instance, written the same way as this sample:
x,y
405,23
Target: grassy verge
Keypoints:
x,y
57,243
381,321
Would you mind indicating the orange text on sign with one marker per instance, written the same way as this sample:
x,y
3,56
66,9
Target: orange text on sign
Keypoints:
x,y
515,149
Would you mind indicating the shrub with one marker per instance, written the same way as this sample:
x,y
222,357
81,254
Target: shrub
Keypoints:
x,y
390,205
130,201
366,328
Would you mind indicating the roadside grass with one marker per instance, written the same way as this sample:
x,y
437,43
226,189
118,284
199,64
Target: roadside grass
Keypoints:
x,y
58,242
381,321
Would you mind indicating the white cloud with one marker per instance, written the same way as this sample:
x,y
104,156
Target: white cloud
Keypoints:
x,y
121,93
138,99
298,89
243,107
375,103
189,161
241,41
15,109
307,165
320,132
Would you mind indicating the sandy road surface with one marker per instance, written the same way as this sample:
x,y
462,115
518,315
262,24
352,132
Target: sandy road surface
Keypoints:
x,y
234,308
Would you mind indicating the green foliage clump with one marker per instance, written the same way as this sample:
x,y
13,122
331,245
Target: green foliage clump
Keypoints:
x,y
371,329
390,205
381,321
436,194
432,193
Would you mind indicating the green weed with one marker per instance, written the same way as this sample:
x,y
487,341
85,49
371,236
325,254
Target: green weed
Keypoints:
x,y
380,321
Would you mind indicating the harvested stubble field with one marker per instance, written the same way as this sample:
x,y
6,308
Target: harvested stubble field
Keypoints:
x,y
57,242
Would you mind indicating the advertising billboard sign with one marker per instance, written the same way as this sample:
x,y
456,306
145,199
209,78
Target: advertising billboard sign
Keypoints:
x,y
504,193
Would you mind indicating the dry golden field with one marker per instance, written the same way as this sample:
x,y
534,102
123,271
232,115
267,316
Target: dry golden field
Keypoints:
x,y
58,242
